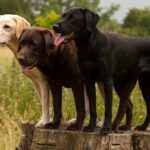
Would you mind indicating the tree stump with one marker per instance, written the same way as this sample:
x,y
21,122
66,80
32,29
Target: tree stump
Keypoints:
x,y
46,139
27,137
141,140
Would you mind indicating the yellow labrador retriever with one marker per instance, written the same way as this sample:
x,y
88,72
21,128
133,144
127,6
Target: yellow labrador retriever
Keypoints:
x,y
11,27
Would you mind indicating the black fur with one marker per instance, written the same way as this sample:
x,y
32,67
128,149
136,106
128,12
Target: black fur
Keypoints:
x,y
113,60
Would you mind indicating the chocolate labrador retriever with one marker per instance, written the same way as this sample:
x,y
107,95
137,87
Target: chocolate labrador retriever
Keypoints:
x,y
109,59
58,64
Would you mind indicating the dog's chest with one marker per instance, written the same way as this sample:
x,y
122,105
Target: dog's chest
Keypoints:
x,y
92,70
61,75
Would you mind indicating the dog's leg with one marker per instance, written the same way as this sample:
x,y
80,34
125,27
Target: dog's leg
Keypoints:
x,y
90,88
127,126
78,91
108,85
57,103
30,75
101,90
44,89
124,89
129,116
144,83
37,89
86,106
86,101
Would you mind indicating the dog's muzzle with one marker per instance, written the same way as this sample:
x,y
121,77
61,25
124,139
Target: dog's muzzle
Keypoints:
x,y
56,28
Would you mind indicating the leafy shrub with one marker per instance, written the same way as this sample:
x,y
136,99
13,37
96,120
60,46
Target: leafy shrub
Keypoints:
x,y
47,20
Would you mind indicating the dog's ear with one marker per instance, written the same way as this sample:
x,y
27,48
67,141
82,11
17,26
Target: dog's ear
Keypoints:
x,y
49,38
91,19
20,39
21,24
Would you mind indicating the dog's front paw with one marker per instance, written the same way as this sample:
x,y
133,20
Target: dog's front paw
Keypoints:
x,y
140,128
125,127
74,127
41,123
88,129
105,131
51,125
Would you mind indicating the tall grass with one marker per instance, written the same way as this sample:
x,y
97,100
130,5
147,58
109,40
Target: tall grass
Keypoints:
x,y
18,102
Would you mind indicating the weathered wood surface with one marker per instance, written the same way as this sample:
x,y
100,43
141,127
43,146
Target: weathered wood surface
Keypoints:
x,y
44,139
27,136
141,140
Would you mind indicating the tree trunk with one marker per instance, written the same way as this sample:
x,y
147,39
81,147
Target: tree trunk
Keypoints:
x,y
44,139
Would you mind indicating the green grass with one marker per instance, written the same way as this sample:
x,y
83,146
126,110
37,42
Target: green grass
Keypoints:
x,y
18,102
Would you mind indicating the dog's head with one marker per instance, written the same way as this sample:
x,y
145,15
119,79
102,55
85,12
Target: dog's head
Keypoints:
x,y
11,27
75,22
34,43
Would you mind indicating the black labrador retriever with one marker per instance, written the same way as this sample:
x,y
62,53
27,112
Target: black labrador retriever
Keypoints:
x,y
107,58
58,64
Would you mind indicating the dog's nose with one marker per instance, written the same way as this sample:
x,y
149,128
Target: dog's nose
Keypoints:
x,y
56,27
21,60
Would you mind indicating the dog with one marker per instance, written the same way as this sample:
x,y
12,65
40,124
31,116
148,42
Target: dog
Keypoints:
x,y
112,60
11,27
59,65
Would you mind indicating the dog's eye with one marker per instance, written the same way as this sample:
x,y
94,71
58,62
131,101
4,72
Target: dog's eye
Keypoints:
x,y
6,26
